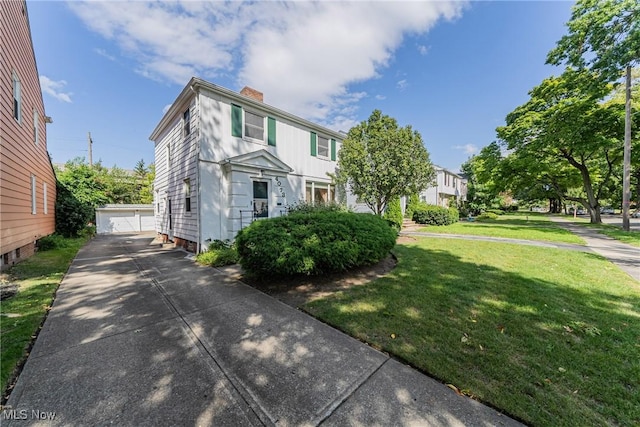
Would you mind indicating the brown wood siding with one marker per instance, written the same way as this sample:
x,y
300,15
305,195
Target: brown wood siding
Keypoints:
x,y
20,157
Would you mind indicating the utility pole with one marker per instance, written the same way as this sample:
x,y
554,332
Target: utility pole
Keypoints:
x,y
90,148
626,174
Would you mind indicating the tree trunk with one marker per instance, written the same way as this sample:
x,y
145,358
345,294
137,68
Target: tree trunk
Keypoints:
x,y
593,204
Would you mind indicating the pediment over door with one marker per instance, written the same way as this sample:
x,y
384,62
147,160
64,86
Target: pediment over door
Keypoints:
x,y
257,160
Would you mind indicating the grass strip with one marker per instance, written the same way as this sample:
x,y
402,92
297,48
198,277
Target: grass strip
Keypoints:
x,y
551,337
22,315
534,227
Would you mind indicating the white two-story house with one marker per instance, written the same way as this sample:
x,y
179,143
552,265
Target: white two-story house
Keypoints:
x,y
448,189
224,159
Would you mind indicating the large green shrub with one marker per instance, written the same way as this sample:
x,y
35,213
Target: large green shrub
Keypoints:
x,y
435,215
314,243
72,215
393,213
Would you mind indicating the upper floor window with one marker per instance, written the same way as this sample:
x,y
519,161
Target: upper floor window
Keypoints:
x,y
17,98
33,194
36,125
44,198
253,126
168,152
186,122
323,146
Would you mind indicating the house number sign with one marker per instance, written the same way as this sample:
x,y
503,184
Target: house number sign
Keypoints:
x,y
280,189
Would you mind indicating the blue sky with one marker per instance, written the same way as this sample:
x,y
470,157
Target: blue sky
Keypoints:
x,y
452,70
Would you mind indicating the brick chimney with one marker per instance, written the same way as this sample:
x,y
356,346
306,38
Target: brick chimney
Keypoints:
x,y
252,93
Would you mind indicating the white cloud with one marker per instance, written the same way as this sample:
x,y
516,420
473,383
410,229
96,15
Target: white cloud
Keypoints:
x,y
166,108
423,49
469,149
302,55
55,88
402,84
380,97
104,53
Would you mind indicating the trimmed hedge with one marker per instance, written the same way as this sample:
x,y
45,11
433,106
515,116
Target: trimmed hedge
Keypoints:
x,y
314,243
487,215
435,215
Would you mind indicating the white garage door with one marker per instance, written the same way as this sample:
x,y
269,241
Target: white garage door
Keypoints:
x,y
124,221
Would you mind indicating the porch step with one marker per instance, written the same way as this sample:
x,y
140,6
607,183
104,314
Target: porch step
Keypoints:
x,y
408,224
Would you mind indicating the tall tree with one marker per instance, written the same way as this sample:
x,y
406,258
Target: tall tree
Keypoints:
x,y
483,179
566,120
380,161
604,35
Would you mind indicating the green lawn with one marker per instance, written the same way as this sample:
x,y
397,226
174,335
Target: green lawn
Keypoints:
x,y
521,226
20,316
551,337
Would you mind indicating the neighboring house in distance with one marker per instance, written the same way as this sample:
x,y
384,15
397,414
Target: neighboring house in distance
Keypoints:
x,y
450,188
224,159
27,180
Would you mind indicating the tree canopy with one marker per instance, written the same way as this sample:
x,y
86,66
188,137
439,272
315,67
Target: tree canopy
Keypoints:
x,y
380,160
565,123
83,187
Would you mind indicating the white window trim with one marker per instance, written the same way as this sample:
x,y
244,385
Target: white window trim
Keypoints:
x,y
262,141
323,186
318,137
186,186
186,123
17,96
44,198
33,194
36,127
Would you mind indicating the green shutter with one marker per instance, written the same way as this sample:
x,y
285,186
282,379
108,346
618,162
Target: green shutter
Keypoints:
x,y
314,144
271,131
236,120
333,149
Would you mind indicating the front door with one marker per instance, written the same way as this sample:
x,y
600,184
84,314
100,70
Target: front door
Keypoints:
x,y
260,199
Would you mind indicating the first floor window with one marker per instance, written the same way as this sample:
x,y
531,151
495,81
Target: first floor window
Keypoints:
x,y
33,194
187,195
318,192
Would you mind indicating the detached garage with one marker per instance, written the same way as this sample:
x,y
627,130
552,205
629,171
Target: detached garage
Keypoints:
x,y
124,219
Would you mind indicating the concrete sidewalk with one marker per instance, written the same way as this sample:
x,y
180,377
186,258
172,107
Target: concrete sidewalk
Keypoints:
x,y
139,335
625,256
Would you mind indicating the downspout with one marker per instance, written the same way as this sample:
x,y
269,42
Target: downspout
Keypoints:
x,y
198,126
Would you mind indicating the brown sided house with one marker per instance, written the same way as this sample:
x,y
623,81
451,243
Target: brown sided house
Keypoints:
x,y
27,180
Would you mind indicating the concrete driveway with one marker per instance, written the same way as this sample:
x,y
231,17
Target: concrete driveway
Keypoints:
x,y
140,335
